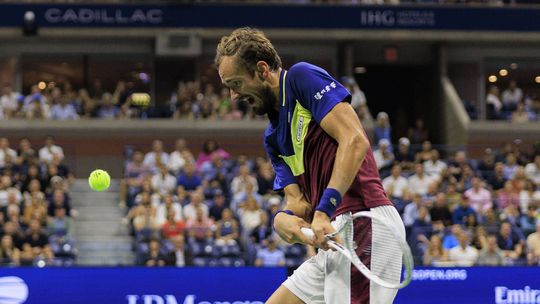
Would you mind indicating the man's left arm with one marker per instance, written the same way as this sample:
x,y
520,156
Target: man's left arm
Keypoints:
x,y
343,125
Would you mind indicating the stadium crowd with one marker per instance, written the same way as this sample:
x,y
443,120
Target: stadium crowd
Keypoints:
x,y
36,218
512,105
216,209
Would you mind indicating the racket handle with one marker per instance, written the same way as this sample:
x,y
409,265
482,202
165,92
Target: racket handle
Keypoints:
x,y
307,232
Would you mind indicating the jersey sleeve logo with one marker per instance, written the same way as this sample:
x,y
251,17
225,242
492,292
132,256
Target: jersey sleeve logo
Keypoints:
x,y
299,129
319,95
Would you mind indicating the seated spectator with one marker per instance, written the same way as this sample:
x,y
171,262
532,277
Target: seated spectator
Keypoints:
x,y
511,97
107,110
13,229
8,156
532,170
461,213
465,182
9,254
510,166
215,169
383,156
60,224
520,115
155,258
463,255
491,255
36,210
36,110
434,166
479,197
35,237
528,221
497,181
134,175
510,243
167,206
157,157
262,232
218,205
533,247
265,179
163,182
479,240
64,110
10,102
453,197
227,230
419,133
196,202
434,255
382,129
451,240
172,226
181,256
250,215
49,150
189,179
239,184
508,197
424,154
210,147
144,219
493,103
270,256
440,210
395,184
179,157
201,227
58,201
486,166
404,155
420,182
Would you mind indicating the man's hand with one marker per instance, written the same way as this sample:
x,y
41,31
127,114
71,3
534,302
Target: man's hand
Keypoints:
x,y
288,228
321,227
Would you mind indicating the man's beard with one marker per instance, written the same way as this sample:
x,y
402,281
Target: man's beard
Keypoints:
x,y
269,101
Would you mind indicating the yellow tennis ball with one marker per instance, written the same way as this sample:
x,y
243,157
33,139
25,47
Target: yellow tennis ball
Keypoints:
x,y
99,180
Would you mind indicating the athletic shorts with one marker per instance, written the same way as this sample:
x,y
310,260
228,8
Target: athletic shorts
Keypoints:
x,y
329,277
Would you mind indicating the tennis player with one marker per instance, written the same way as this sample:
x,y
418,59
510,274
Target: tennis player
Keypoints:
x,y
324,164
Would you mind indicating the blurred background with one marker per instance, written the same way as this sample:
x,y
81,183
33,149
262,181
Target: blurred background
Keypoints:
x,y
447,91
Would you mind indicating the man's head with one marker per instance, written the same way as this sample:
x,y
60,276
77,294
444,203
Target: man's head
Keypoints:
x,y
506,229
246,61
396,171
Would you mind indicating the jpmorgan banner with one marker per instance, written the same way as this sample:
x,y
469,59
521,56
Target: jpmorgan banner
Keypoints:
x,y
497,285
287,16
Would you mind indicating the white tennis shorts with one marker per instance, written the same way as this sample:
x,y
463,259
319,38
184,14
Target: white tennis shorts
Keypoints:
x,y
329,277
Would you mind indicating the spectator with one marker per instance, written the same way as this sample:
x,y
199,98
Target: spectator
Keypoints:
x,y
201,227
163,182
491,255
189,179
382,129
487,164
263,231
419,133
134,175
425,152
458,163
10,102
60,224
49,150
9,254
145,219
529,220
64,110
271,256
434,255
497,181
462,212
155,258
265,179
157,157
478,196
209,147
508,196
410,214
532,170
440,210
453,197
511,97
8,156
227,230
173,226
520,115
37,110
59,201
167,207
404,155
396,185
250,215
479,240
35,237
510,243
420,182
493,103
534,108
463,255
107,109
533,247
190,210
510,167
434,166
219,204
179,157
36,210
358,98
243,184
383,156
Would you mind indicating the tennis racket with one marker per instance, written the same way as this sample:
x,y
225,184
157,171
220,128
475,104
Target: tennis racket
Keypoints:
x,y
391,241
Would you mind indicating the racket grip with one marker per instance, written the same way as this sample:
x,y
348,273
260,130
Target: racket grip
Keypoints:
x,y
307,232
